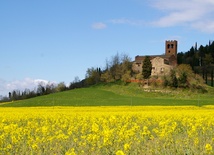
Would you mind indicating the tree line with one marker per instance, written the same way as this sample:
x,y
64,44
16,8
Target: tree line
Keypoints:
x,y
201,60
119,67
42,89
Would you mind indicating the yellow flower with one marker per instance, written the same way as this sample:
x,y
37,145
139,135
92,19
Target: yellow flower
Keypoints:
x,y
208,148
9,146
70,152
196,141
126,146
95,127
35,146
120,152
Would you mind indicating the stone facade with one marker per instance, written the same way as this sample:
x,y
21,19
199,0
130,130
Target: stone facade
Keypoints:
x,y
161,64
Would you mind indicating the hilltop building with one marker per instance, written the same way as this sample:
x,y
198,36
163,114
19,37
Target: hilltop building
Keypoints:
x,y
161,64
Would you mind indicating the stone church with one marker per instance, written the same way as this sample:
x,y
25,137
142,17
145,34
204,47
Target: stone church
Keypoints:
x,y
161,64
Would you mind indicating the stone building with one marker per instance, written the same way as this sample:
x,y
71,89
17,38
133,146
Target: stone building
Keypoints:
x,y
161,64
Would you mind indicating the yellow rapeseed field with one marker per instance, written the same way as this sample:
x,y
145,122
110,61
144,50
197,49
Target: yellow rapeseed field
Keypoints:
x,y
107,130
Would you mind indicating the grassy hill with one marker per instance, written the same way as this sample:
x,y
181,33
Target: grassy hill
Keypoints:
x,y
116,95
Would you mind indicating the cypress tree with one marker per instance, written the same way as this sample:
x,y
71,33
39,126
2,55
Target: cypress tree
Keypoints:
x,y
146,68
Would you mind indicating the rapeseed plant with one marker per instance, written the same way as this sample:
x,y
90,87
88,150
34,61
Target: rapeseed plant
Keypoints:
x,y
107,130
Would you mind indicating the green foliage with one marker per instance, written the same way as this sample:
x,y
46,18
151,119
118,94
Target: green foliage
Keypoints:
x,y
182,81
174,80
107,77
139,76
126,76
146,68
188,79
93,76
208,59
61,87
119,68
204,55
183,77
166,81
200,59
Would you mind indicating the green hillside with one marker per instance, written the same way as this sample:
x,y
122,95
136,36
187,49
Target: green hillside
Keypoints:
x,y
116,95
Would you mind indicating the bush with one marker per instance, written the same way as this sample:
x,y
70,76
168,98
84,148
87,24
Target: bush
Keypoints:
x,y
183,77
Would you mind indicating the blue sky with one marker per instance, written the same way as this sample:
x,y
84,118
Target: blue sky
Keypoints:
x,y
55,41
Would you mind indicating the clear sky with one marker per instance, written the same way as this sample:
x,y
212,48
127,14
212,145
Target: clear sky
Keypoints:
x,y
57,40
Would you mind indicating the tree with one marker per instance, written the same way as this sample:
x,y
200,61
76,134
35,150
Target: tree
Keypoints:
x,y
107,77
180,58
146,68
126,64
15,95
126,76
174,80
208,59
115,69
41,89
9,95
4,98
76,83
93,76
185,75
182,81
76,79
61,87
50,88
118,68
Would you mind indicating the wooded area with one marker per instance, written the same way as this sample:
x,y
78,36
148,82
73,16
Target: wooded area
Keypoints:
x,y
201,60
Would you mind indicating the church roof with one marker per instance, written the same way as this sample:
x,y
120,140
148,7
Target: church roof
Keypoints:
x,y
139,59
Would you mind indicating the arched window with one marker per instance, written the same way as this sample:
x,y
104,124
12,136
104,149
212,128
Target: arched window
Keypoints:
x,y
168,46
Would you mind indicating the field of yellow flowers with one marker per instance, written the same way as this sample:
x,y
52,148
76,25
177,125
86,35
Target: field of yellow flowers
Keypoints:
x,y
107,130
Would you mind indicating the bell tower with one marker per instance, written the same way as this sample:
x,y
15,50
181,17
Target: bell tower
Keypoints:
x,y
171,48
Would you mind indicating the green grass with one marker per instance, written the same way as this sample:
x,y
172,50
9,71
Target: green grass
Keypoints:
x,y
116,95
